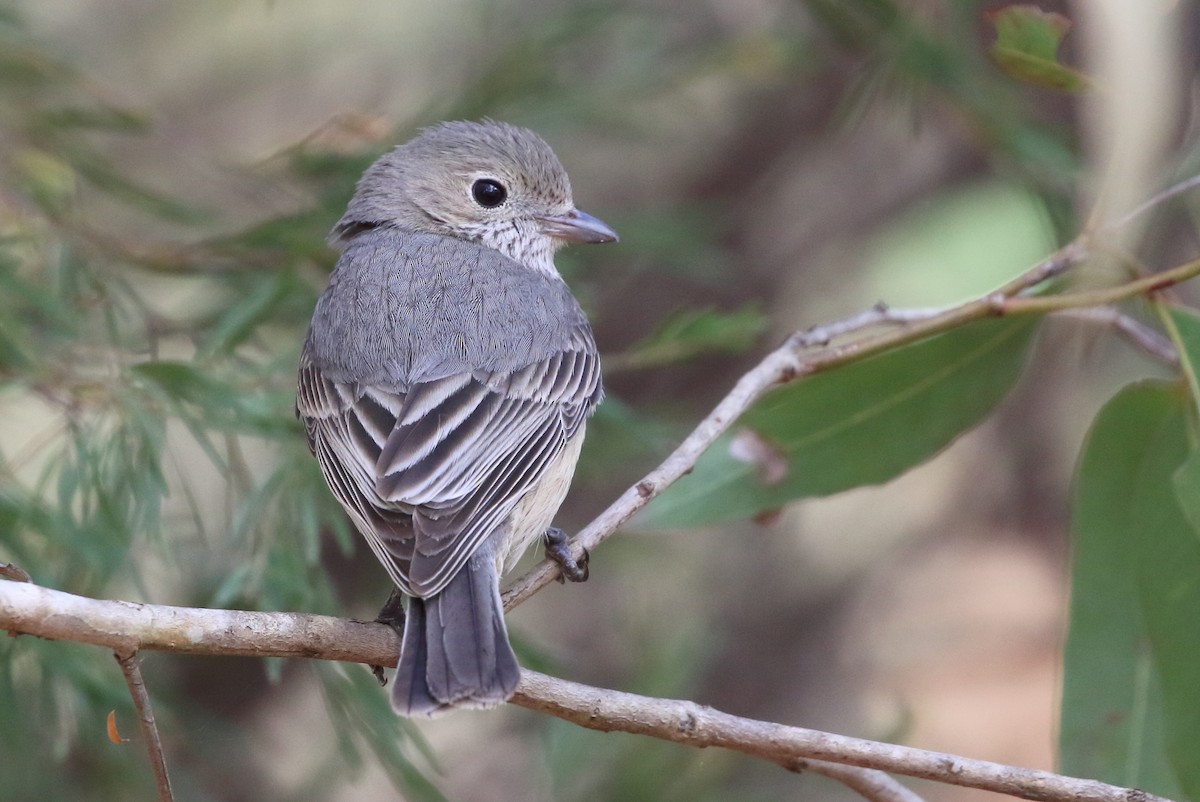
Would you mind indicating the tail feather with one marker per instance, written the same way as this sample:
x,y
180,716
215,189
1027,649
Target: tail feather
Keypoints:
x,y
455,651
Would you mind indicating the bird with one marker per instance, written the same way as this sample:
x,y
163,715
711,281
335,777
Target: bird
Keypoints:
x,y
445,384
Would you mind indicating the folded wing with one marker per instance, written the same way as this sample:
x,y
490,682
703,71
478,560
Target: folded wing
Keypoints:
x,y
429,470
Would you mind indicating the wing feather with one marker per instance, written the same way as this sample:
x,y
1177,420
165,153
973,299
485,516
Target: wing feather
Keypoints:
x,y
428,471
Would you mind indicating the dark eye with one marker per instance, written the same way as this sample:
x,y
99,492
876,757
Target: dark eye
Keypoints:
x,y
489,193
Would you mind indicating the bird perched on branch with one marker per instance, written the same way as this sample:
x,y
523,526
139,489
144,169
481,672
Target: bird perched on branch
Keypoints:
x,y
444,386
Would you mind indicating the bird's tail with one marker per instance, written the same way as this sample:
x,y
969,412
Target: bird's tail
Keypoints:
x,y
455,651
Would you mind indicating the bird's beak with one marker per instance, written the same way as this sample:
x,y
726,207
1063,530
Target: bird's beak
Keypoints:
x,y
579,227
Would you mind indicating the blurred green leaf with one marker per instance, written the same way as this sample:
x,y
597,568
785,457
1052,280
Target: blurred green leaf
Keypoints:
x,y
48,179
201,400
246,314
298,235
1132,658
99,171
1027,40
860,424
101,118
691,332
186,382
584,764
362,720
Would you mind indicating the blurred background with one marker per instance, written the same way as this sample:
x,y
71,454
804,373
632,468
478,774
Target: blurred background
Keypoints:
x,y
168,172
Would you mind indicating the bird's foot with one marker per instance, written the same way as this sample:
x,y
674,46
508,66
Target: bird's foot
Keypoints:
x,y
558,549
391,614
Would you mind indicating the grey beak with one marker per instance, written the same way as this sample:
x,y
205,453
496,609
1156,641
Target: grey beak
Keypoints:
x,y
579,227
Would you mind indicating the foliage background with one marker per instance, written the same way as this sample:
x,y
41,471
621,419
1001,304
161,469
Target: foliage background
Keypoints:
x,y
167,175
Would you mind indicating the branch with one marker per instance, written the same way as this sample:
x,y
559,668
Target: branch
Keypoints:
x,y
1173,191
124,627
796,359
688,723
871,784
141,702
1136,332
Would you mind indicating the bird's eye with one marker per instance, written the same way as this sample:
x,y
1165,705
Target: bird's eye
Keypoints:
x,y
489,193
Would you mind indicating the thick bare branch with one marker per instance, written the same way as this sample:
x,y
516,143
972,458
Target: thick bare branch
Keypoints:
x,y
697,725
125,627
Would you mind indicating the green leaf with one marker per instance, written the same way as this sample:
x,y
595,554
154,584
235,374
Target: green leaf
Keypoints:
x,y
245,315
1027,40
48,179
364,721
692,332
203,401
860,424
109,118
301,234
185,383
1130,713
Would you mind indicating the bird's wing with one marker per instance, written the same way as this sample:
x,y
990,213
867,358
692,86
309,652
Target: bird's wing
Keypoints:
x,y
430,471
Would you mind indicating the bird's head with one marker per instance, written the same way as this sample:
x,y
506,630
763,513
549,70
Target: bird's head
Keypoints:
x,y
488,182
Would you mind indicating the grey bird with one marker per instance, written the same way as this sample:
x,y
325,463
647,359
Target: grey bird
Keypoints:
x,y
445,384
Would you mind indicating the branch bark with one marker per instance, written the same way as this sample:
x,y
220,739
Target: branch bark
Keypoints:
x,y
125,627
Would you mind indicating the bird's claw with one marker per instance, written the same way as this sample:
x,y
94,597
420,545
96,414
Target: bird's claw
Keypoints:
x,y
392,614
558,549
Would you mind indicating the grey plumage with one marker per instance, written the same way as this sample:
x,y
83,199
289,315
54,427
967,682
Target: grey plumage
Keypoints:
x,y
444,385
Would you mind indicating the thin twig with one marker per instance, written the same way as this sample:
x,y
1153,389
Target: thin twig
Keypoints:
x,y
870,784
878,315
141,702
1135,331
126,627
1170,192
1145,285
